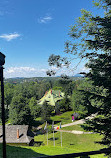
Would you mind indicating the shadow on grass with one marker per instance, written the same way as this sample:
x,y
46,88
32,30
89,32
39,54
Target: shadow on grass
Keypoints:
x,y
55,122
19,152
37,123
38,143
84,127
56,138
72,144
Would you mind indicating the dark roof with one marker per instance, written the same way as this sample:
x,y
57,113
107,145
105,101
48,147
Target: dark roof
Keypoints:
x,y
11,134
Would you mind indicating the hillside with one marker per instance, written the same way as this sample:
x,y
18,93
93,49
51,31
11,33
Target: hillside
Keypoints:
x,y
38,79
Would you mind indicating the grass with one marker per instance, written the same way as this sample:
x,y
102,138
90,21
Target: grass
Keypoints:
x,y
83,142
30,152
74,127
63,118
71,144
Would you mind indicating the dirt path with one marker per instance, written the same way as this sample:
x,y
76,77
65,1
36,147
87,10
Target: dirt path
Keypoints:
x,y
76,122
71,124
74,132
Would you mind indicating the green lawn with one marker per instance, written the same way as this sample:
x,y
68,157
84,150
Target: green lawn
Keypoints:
x,y
34,152
74,127
71,144
63,118
82,142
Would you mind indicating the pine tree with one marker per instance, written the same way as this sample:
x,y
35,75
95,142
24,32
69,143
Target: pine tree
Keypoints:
x,y
19,112
91,40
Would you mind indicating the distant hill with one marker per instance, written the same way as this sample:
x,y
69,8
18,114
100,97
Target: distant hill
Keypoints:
x,y
78,75
37,79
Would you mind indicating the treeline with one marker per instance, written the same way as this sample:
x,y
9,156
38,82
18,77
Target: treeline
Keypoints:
x,y
21,100
21,104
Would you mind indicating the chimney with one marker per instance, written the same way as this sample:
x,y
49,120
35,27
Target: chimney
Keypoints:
x,y
17,133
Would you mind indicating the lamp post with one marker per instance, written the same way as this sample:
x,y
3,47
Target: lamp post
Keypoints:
x,y
2,62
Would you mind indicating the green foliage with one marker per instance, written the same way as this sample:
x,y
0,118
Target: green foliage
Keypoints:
x,y
91,40
34,107
19,112
77,101
8,93
57,88
83,99
46,111
100,74
31,92
64,104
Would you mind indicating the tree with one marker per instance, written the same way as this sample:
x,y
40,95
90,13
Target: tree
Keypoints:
x,y
82,100
77,101
19,112
46,111
8,93
34,108
67,84
64,104
91,40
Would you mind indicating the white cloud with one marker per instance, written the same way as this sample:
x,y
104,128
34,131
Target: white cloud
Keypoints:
x,y
45,19
40,72
84,69
54,68
20,69
24,72
9,37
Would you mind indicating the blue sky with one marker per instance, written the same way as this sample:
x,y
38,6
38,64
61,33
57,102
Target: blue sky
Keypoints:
x,y
31,30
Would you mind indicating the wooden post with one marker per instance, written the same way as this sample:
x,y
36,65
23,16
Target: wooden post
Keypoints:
x,y
3,112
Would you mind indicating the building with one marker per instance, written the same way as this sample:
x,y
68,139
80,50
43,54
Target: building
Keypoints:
x,y
17,135
51,97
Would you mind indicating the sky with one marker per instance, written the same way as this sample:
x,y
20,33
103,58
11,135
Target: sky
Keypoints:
x,y
32,30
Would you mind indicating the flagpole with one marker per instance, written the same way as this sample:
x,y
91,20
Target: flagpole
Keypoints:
x,y
61,134
53,132
53,138
61,138
46,129
47,136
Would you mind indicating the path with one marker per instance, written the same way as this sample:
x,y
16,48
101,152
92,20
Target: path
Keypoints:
x,y
75,123
74,131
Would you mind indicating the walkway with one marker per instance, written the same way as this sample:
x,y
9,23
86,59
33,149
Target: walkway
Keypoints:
x,y
75,123
73,131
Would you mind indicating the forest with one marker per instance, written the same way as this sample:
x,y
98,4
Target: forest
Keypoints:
x,y
21,99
